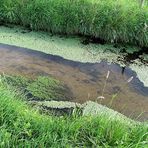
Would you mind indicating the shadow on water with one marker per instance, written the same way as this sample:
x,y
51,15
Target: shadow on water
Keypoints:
x,y
85,80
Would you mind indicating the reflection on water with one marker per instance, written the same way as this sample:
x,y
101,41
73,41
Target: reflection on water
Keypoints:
x,y
85,80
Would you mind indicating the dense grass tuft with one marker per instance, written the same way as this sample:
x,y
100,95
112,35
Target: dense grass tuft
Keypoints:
x,y
22,126
111,20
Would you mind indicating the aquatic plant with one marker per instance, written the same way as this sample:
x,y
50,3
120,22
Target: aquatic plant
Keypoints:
x,y
40,88
47,88
113,21
18,82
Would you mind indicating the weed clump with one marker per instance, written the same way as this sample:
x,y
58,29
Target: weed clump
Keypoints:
x,y
47,88
40,88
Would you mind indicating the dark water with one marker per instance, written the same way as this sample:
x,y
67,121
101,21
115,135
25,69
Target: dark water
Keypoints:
x,y
85,80
130,57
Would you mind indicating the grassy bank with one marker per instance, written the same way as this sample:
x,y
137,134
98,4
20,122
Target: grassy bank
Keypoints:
x,y
113,21
22,126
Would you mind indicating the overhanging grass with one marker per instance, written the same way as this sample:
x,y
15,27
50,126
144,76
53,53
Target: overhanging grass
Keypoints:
x,y
113,21
22,126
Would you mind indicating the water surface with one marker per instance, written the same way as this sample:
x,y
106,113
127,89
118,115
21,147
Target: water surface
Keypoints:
x,y
85,80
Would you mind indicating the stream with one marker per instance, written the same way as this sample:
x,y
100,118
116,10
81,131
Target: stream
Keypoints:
x,y
85,80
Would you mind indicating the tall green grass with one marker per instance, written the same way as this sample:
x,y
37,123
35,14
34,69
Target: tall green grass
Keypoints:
x,y
111,20
23,126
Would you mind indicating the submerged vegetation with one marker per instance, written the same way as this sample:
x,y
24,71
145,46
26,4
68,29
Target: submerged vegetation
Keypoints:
x,y
41,88
113,21
23,126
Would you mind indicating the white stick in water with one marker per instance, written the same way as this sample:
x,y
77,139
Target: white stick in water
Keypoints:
x,y
130,79
108,73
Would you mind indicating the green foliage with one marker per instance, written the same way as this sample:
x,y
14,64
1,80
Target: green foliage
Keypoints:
x,y
23,126
47,88
42,88
113,21
19,82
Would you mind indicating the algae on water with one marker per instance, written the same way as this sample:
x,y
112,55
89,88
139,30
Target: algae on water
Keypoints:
x,y
69,48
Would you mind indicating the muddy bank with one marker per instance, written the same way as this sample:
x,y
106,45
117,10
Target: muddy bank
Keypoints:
x,y
85,80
